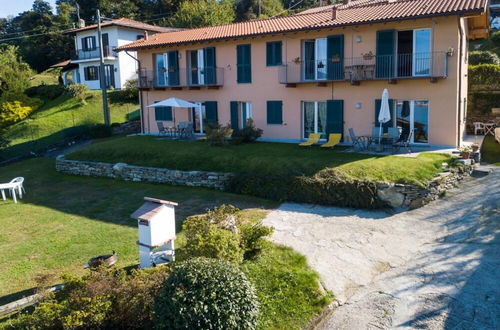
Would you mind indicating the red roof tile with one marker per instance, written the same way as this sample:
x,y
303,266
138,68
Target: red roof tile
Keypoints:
x,y
125,22
356,12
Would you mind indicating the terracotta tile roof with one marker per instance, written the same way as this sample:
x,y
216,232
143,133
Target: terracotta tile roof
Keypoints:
x,y
125,22
356,12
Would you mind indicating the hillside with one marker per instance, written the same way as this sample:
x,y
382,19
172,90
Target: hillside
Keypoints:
x,y
61,118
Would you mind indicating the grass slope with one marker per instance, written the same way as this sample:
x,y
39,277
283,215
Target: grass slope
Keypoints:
x,y
491,150
64,220
260,157
53,121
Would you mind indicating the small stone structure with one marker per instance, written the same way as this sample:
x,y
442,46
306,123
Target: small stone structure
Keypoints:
x,y
122,171
408,196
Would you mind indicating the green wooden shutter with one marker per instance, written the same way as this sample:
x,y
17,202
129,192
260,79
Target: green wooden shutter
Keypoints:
x,y
173,68
163,113
335,117
234,115
385,126
334,48
273,53
385,57
210,66
211,113
243,58
275,112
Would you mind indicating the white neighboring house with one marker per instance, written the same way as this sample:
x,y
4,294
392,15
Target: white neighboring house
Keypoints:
x,y
118,67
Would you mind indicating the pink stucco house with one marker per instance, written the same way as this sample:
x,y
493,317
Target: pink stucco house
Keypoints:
x,y
320,71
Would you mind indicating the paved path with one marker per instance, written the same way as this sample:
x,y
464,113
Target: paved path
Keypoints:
x,y
437,267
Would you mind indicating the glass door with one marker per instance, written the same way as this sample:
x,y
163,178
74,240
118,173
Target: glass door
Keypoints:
x,y
413,116
422,52
321,73
196,120
201,67
309,64
161,69
314,118
245,113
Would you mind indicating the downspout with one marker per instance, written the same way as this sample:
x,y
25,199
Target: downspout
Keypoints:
x,y
460,69
141,118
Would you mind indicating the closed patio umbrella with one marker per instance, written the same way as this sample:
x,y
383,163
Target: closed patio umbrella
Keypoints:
x,y
385,112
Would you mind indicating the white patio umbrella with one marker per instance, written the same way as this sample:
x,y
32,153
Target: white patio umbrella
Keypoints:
x,y
176,103
385,112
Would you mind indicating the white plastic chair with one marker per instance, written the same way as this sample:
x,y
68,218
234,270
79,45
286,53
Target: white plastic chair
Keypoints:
x,y
18,186
478,126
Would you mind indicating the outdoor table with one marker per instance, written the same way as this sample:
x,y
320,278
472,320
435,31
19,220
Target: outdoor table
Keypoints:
x,y
9,186
385,140
489,128
365,141
172,131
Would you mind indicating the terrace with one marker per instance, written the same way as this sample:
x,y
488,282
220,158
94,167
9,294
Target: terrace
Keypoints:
x,y
172,78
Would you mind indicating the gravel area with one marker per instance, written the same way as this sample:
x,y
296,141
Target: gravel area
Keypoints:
x,y
437,267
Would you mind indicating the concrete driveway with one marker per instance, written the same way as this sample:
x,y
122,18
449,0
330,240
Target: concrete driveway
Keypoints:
x,y
437,267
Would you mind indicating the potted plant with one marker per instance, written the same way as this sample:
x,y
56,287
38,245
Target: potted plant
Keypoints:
x,y
368,56
172,69
475,147
297,60
450,51
163,70
321,65
336,58
465,152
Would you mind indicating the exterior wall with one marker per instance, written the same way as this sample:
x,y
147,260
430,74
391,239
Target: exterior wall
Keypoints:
x,y
442,96
125,66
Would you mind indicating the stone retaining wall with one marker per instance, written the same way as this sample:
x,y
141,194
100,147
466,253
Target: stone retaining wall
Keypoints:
x,y
413,196
122,171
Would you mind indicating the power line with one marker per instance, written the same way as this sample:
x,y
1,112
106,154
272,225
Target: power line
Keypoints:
x,y
32,35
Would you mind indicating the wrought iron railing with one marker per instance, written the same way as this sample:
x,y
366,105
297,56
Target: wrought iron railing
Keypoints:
x,y
432,65
183,77
89,54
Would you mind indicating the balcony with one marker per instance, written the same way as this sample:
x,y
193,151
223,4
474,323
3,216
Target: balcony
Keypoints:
x,y
192,78
93,54
357,69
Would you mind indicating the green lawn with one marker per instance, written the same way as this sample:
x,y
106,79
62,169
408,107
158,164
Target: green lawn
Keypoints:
x,y
64,220
260,157
57,119
491,150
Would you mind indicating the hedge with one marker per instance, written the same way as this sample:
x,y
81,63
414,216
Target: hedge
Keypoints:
x,y
484,76
327,187
483,102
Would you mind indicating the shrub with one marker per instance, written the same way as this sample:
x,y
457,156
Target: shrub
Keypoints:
x,y
327,187
206,293
12,112
483,57
484,76
218,135
4,141
99,131
78,91
102,299
221,233
247,134
483,102
48,92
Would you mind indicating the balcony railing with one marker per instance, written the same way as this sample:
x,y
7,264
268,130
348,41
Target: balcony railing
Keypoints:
x,y
355,69
93,53
192,77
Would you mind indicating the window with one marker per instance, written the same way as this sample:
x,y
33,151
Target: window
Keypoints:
x,y
241,112
413,115
167,69
201,63
244,64
88,43
275,112
273,53
91,73
163,113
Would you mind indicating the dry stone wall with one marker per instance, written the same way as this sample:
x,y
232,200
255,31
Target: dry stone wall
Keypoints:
x,y
122,171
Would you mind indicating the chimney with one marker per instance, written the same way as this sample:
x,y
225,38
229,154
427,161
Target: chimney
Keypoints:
x,y
81,23
146,35
334,13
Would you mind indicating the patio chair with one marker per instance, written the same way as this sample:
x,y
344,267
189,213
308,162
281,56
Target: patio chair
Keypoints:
x,y
403,143
478,126
359,142
313,139
333,140
394,132
186,130
161,128
18,186
376,132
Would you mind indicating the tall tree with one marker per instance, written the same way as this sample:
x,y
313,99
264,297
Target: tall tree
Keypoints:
x,y
14,74
199,13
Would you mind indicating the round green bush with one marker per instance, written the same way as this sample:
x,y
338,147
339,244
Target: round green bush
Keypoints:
x,y
203,293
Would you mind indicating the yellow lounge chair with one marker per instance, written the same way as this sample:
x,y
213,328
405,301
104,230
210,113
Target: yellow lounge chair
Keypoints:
x,y
333,140
313,139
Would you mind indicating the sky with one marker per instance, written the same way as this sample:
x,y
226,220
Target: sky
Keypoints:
x,y
14,7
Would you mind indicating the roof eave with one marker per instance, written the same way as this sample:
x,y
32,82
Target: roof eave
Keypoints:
x,y
454,13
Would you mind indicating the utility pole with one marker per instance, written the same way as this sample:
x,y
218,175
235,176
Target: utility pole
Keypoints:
x,y
102,74
260,8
